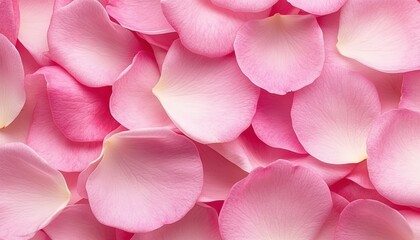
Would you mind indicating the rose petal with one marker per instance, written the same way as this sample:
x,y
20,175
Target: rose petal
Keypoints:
x,y
318,7
410,92
328,229
413,219
9,19
360,175
245,5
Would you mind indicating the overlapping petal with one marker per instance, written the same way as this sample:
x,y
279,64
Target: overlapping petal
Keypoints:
x,y
282,53
31,192
84,41
245,5
318,7
332,116
208,99
295,207
410,92
9,19
145,179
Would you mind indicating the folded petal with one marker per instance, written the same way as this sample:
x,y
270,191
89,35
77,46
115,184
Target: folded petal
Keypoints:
x,y
143,16
78,222
31,192
327,231
71,181
9,19
92,48
132,101
410,92
372,220
40,235
332,117
199,223
272,122
381,34
360,175
145,179
282,53
245,5
208,99
12,89
280,201
204,28
393,162
413,219
318,7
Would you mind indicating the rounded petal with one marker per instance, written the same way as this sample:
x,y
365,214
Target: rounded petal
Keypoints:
x,y
410,92
318,7
381,34
245,5
208,99
12,89
145,179
132,101
9,19
332,117
143,16
327,231
282,53
393,162
78,222
204,28
372,220
413,219
92,48
31,192
262,205
199,223
272,122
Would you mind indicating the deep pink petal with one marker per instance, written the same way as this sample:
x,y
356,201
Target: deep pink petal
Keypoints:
x,y
40,235
145,179
410,92
31,192
318,7
280,201
208,99
84,41
9,19
332,117
245,5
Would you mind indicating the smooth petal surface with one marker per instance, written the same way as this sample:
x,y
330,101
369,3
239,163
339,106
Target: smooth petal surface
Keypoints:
x,y
78,222
381,34
332,117
74,105
12,89
208,99
410,92
143,16
413,219
393,162
372,220
146,178
132,101
9,19
282,53
199,223
31,192
328,229
280,201
204,28
245,5
84,41
272,122
318,7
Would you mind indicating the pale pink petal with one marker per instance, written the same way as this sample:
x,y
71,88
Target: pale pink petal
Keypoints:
x,y
145,179
327,231
84,41
280,201
282,53
393,162
71,181
84,175
143,16
204,28
245,5
9,19
360,175
132,101
78,222
272,122
332,117
219,174
74,105
35,18
372,220
12,89
47,140
199,223
208,99
31,192
381,34
410,92
318,7
413,219
62,3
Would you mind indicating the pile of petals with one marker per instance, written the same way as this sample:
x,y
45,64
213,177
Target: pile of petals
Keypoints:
x,y
209,119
